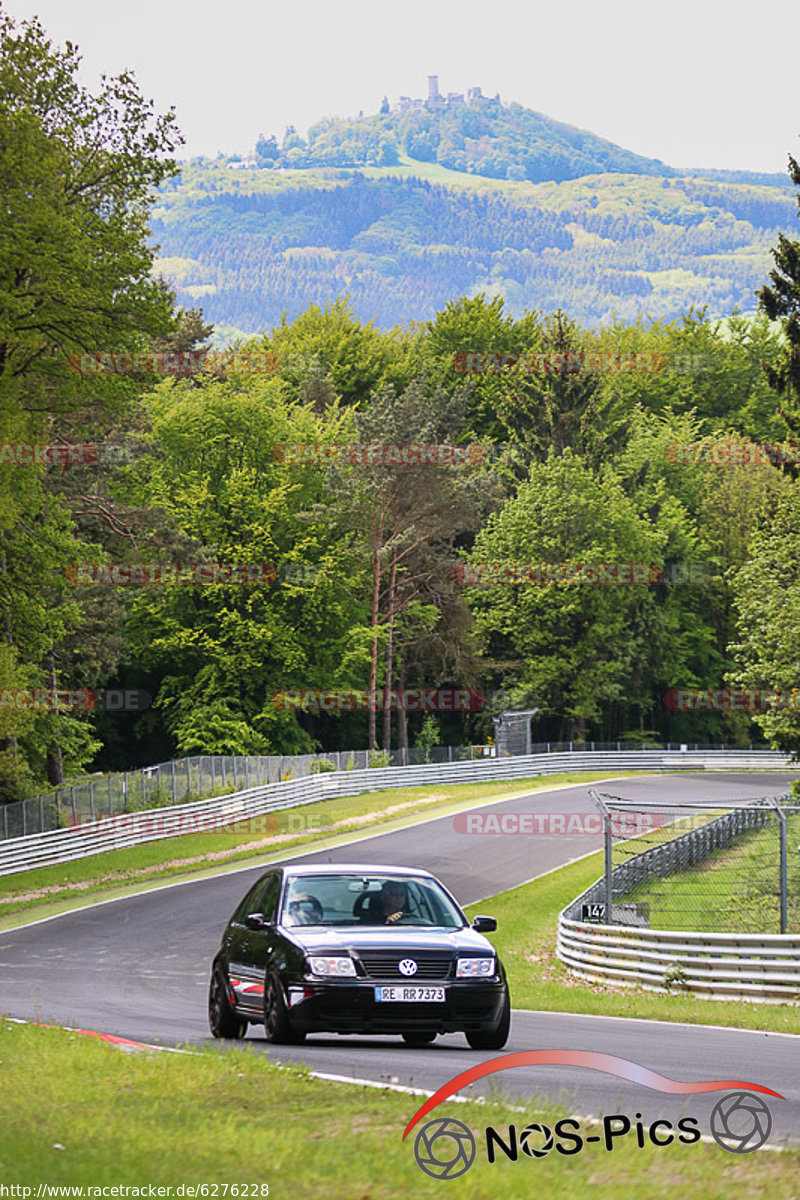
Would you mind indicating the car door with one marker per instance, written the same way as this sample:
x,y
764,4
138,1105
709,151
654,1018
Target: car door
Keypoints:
x,y
247,946
256,946
263,942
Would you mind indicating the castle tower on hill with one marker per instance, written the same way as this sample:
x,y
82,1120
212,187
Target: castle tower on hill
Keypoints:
x,y
435,99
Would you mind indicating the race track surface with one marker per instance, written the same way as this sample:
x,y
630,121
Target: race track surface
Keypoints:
x,y
138,967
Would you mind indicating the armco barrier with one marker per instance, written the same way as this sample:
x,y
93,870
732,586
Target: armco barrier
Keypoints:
x,y
721,966
63,845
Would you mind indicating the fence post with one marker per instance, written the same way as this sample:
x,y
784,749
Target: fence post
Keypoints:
x,y
41,814
144,790
174,785
609,886
72,797
5,820
110,799
58,809
235,776
782,819
91,798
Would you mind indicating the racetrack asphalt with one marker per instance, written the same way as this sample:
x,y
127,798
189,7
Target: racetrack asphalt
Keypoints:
x,y
138,967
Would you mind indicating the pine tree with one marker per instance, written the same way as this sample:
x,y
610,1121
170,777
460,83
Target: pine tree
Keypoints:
x,y
781,301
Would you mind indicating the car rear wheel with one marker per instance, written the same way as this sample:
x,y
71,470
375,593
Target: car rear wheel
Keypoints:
x,y
222,1019
493,1037
418,1039
276,1017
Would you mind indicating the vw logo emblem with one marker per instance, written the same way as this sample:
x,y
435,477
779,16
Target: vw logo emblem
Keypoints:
x,y
408,967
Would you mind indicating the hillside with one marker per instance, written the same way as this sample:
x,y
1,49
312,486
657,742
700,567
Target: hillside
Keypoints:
x,y
409,208
482,137
249,244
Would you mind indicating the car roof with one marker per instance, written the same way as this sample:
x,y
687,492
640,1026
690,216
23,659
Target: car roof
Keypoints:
x,y
353,869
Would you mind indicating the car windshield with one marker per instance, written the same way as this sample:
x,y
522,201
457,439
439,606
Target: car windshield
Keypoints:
x,y
393,901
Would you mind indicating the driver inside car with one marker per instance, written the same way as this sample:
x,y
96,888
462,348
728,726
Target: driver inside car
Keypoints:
x,y
394,901
303,909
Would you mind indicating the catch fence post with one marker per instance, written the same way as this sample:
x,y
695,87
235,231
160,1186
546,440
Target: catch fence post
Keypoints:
x,y
608,882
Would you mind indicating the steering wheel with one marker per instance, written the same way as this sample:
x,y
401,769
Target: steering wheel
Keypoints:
x,y
307,907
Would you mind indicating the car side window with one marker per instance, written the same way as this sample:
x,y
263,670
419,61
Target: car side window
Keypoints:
x,y
268,900
247,905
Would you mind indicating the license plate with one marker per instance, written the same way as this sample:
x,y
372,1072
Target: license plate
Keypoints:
x,y
419,995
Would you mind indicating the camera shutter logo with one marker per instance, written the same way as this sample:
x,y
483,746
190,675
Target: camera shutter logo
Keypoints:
x,y
408,967
740,1122
444,1148
528,1139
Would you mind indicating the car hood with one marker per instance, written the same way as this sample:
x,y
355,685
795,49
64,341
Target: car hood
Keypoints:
x,y
405,939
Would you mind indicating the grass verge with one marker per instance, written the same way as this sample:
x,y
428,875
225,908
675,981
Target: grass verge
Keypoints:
x,y
258,840
735,889
526,941
78,1112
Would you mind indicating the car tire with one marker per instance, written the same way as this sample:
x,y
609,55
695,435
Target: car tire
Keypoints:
x,y
493,1037
277,1027
222,1019
418,1039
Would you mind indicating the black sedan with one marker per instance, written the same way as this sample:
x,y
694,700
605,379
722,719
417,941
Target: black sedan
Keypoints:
x,y
357,949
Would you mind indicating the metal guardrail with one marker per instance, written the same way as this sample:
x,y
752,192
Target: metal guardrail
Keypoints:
x,y
722,966
206,775
94,837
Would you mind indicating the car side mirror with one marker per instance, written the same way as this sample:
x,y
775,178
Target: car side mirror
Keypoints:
x,y
484,924
256,921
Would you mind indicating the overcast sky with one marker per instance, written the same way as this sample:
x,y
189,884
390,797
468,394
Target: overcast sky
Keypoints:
x,y
693,82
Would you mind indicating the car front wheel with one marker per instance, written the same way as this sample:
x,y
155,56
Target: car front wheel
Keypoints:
x,y
493,1037
276,1018
222,1019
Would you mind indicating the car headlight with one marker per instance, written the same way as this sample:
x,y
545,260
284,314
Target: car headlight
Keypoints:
x,y
472,968
337,965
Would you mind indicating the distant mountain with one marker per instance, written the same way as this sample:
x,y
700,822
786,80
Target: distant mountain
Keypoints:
x,y
482,136
406,210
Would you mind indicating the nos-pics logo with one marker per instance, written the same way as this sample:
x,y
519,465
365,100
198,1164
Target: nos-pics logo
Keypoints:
x,y
445,1148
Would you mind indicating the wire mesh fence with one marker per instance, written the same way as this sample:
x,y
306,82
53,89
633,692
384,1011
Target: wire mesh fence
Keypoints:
x,y
719,868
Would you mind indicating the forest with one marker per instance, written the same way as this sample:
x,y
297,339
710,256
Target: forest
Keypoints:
x,y
593,554
252,244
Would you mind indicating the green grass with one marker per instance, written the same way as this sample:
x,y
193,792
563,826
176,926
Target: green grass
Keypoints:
x,y
526,941
736,889
101,875
75,1111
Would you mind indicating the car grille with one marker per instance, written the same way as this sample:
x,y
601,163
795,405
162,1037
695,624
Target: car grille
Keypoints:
x,y
387,966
